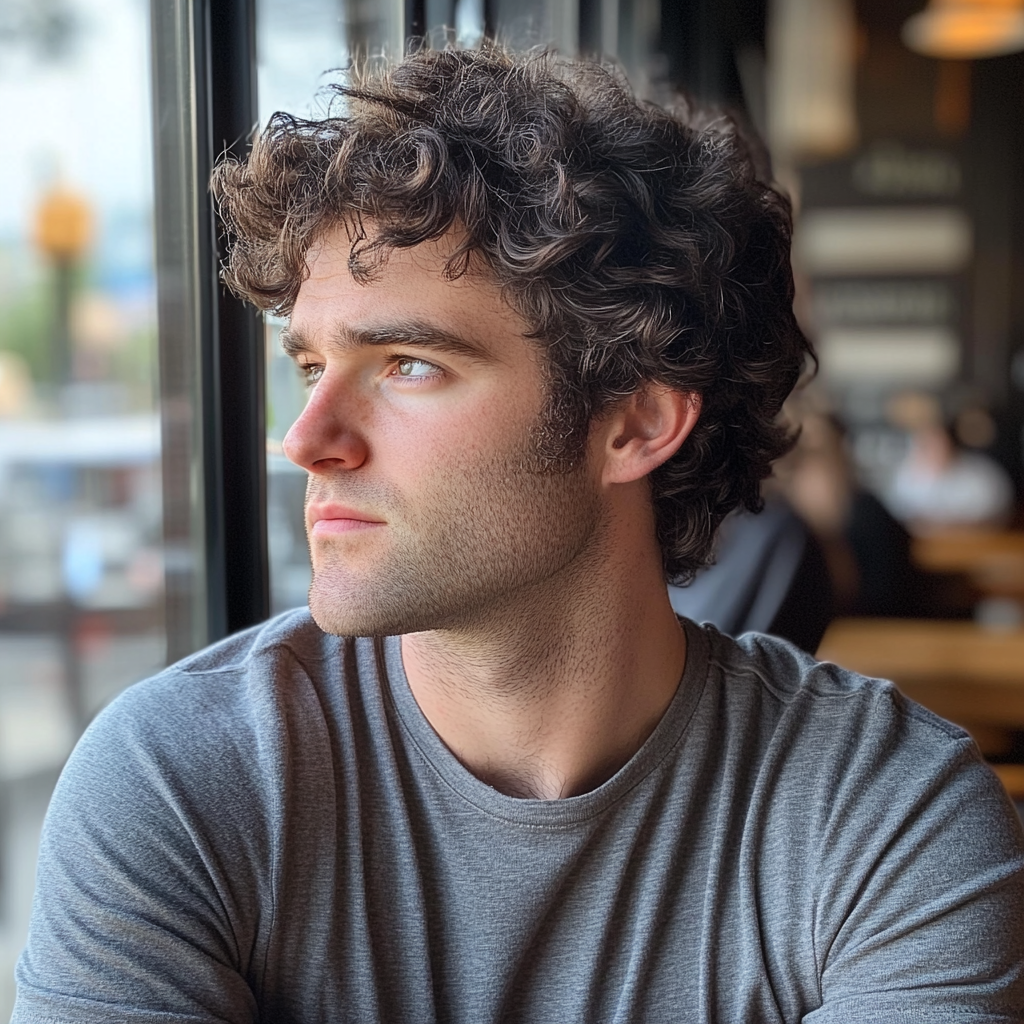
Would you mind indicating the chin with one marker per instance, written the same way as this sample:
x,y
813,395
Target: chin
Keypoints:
x,y
382,610
345,617
358,611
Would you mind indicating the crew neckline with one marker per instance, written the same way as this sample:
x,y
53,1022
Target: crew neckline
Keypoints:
x,y
566,811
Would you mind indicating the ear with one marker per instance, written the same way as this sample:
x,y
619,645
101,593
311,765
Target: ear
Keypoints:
x,y
646,430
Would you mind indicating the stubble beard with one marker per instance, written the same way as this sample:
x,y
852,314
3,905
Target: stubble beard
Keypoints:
x,y
484,532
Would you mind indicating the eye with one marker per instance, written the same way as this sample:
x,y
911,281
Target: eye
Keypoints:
x,y
311,373
416,369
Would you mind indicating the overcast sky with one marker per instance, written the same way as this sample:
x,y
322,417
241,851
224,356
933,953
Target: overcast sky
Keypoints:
x,y
87,115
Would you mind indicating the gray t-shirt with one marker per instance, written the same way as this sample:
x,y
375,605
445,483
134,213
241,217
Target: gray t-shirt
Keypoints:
x,y
272,831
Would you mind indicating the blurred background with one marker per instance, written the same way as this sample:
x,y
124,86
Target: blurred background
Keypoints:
x,y
141,513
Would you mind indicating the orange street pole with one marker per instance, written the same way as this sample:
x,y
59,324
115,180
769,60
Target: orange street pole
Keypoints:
x,y
63,230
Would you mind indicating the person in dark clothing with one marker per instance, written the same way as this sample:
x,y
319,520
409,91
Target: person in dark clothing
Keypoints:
x,y
867,550
888,582
770,576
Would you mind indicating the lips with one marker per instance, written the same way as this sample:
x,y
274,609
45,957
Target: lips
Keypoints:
x,y
330,518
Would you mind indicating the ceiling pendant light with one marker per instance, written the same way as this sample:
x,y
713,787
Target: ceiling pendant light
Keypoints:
x,y
966,29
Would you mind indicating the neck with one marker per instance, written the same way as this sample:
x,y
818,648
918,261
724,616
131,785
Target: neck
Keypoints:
x,y
551,694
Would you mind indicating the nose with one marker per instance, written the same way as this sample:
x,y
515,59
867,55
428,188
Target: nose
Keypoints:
x,y
325,436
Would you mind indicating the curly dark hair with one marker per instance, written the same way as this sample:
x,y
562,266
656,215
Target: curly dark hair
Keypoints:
x,y
637,243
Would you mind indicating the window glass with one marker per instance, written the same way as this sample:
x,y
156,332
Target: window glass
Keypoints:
x,y
299,43
81,556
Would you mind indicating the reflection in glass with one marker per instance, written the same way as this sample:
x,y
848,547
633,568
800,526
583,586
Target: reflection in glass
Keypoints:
x,y
298,46
290,571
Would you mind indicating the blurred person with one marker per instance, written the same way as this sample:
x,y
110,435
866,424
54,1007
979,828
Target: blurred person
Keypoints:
x,y
867,550
770,575
940,483
489,775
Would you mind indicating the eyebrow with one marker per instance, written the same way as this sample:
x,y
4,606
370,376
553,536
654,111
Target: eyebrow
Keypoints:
x,y
404,332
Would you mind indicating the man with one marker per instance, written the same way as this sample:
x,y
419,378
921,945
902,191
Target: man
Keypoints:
x,y
547,331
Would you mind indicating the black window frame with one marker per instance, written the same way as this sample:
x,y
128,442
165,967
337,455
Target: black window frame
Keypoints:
x,y
212,364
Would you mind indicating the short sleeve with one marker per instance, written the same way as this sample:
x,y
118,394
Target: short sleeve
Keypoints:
x,y
137,916
925,923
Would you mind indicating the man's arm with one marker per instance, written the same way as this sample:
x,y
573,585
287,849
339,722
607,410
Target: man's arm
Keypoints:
x,y
135,916
928,925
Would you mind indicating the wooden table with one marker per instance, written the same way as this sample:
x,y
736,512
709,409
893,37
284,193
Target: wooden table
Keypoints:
x,y
993,560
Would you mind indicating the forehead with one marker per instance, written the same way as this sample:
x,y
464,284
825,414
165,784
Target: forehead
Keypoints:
x,y
409,285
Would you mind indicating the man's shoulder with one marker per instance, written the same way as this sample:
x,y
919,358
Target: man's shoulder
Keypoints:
x,y
218,706
783,674
290,633
846,763
244,665
823,728
222,733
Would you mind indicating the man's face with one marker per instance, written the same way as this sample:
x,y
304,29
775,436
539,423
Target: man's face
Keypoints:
x,y
427,504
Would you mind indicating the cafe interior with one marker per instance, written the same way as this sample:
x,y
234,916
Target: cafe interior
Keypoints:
x,y
146,507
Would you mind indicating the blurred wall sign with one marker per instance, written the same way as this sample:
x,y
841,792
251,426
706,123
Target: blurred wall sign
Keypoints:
x,y
811,98
884,240
889,356
887,247
887,301
892,171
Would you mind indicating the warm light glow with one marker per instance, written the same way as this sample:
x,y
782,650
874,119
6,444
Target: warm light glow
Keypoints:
x,y
63,223
966,29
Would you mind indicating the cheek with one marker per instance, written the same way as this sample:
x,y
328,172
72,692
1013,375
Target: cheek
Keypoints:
x,y
445,439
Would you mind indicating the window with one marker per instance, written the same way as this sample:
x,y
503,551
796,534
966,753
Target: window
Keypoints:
x,y
82,557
